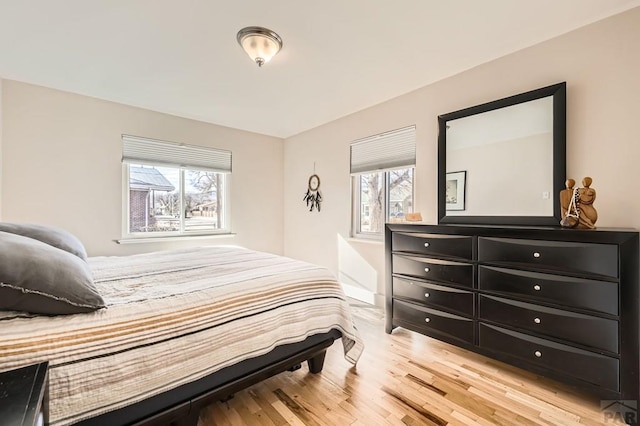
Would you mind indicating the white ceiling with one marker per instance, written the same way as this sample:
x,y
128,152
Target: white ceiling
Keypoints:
x,y
340,56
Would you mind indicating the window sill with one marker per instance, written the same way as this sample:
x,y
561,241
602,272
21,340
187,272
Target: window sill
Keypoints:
x,y
164,239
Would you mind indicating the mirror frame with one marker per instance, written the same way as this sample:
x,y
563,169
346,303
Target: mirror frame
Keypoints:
x,y
559,94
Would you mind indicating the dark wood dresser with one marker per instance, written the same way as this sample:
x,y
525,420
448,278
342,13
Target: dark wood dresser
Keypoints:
x,y
562,303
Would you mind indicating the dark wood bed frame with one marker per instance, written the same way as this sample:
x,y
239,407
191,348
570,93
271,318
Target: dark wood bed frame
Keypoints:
x,y
181,406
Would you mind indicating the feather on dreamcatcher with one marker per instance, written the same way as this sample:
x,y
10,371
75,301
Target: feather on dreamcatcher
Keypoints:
x,y
313,197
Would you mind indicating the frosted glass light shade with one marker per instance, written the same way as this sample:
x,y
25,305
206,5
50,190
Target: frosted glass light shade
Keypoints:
x,y
260,43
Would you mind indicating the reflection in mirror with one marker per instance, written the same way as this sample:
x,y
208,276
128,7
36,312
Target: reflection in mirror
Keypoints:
x,y
496,147
503,162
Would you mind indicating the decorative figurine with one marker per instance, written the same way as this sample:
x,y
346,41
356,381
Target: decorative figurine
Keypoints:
x,y
586,197
576,205
568,206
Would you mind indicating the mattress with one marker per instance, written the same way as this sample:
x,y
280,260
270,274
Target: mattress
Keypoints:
x,y
173,317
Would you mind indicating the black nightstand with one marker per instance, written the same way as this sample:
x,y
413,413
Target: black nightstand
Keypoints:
x,y
23,396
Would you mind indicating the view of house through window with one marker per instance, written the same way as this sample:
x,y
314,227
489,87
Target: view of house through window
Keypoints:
x,y
383,197
171,199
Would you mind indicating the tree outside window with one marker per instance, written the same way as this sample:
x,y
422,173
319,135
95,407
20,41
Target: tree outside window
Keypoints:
x,y
382,197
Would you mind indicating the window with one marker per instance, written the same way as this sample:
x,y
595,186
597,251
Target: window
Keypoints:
x,y
371,194
382,169
174,189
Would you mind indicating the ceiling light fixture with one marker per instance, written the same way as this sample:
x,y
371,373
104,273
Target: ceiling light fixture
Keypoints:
x,y
260,43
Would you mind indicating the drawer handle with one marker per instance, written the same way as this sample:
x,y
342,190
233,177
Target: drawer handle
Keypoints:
x,y
537,320
537,287
427,319
426,269
536,254
426,244
426,295
538,354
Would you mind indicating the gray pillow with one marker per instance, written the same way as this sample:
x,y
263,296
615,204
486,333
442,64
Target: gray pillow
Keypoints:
x,y
55,237
38,278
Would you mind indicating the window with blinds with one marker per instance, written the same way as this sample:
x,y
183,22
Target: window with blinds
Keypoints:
x,y
150,151
390,150
174,189
382,170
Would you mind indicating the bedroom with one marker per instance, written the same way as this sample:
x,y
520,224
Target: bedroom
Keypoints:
x,y
74,179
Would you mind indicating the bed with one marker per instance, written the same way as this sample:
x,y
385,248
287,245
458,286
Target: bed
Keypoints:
x,y
180,329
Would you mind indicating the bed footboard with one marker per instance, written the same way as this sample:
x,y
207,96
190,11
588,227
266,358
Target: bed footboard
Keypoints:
x,y
187,414
315,360
181,406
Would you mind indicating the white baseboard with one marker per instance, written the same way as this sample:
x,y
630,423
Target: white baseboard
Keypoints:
x,y
363,295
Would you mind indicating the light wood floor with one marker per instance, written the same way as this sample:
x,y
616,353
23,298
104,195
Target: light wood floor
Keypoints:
x,y
405,378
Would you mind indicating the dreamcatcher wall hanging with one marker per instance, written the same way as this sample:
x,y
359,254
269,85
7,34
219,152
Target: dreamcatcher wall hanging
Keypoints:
x,y
313,197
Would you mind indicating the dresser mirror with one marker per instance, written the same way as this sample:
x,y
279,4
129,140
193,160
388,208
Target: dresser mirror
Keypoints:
x,y
504,162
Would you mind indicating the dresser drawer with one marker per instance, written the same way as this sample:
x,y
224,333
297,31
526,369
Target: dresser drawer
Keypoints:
x,y
587,330
593,368
434,269
433,244
434,295
600,296
453,326
601,259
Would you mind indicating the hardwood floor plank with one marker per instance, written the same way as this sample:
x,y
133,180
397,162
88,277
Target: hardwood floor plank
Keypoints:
x,y
464,419
297,409
437,373
330,411
508,409
266,409
367,404
426,385
246,399
425,414
248,418
288,415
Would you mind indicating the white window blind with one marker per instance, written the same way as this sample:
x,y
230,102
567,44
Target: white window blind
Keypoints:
x,y
150,151
385,151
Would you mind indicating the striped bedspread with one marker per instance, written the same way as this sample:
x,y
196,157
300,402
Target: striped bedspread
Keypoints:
x,y
171,318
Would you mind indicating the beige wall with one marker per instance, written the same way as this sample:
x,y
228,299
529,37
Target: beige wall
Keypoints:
x,y
600,64
1,165
62,166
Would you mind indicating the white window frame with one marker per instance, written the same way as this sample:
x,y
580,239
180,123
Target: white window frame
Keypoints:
x,y
226,211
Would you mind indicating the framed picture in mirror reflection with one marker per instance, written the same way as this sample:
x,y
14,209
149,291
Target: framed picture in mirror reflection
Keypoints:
x,y
456,182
